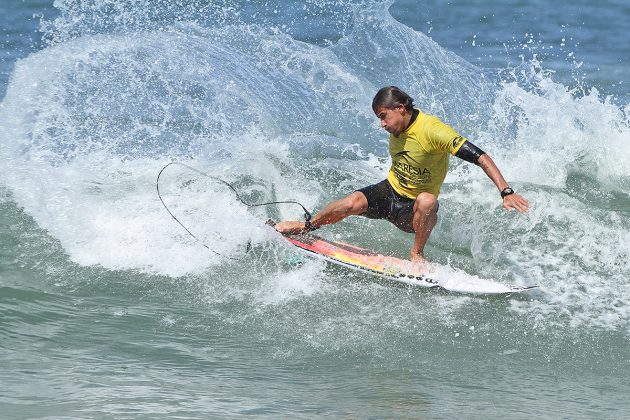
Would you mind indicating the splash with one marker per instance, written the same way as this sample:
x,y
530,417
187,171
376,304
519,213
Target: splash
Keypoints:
x,y
89,121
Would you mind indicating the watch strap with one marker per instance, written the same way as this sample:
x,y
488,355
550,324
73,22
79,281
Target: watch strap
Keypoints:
x,y
506,191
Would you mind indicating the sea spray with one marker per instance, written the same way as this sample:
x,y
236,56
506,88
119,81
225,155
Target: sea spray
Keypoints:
x,y
91,119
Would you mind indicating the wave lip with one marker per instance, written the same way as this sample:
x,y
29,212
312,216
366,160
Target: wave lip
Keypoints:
x,y
89,121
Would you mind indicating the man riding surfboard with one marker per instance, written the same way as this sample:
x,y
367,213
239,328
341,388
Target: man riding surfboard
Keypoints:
x,y
419,145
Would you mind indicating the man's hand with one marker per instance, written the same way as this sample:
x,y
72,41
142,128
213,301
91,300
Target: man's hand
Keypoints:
x,y
516,202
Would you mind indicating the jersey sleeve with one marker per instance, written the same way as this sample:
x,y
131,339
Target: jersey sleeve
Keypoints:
x,y
443,138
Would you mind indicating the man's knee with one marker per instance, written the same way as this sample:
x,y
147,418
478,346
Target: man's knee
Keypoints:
x,y
426,203
355,203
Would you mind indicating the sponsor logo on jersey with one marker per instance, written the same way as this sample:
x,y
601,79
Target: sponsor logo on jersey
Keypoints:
x,y
413,170
405,154
457,141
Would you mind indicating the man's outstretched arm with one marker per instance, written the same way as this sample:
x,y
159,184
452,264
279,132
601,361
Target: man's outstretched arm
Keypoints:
x,y
511,201
471,153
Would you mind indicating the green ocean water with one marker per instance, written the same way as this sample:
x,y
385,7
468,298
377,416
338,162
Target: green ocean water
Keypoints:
x,y
108,309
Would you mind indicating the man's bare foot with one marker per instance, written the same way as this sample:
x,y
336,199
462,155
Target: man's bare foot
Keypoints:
x,y
420,264
290,226
417,268
417,257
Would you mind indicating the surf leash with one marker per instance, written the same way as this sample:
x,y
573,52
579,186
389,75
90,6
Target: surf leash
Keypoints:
x,y
307,214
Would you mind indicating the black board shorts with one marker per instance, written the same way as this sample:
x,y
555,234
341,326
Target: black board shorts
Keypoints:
x,y
385,203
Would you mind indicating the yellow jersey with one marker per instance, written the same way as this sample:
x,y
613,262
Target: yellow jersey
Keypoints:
x,y
420,156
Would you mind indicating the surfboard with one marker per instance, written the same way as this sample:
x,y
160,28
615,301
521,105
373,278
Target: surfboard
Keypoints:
x,y
396,269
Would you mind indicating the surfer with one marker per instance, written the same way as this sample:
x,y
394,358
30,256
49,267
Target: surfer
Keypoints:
x,y
419,145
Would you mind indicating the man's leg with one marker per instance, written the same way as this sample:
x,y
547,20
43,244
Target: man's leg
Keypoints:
x,y
353,204
424,220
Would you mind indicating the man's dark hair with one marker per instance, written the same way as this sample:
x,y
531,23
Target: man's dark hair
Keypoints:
x,y
391,97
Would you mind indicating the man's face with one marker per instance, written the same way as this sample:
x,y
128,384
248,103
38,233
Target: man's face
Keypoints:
x,y
392,119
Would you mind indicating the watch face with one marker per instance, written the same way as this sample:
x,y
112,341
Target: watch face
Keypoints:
x,y
507,191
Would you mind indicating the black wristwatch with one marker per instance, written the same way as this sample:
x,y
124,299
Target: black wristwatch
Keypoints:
x,y
506,191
